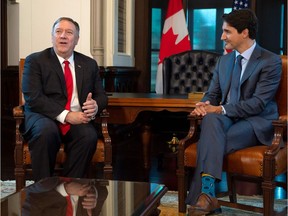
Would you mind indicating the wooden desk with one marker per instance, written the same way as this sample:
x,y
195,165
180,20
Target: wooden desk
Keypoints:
x,y
125,107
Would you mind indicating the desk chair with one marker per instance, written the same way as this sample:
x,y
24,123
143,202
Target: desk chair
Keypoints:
x,y
189,71
103,153
259,164
183,73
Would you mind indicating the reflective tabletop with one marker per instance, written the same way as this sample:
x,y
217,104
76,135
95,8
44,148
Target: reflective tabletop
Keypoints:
x,y
109,197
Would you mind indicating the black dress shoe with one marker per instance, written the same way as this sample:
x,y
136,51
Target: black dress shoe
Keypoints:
x,y
206,205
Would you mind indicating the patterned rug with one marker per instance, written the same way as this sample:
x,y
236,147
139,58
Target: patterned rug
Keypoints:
x,y
9,187
169,205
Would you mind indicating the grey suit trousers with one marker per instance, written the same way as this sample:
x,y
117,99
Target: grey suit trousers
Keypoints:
x,y
219,135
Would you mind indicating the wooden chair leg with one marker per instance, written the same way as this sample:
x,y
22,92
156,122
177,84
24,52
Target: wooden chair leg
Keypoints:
x,y
182,190
268,188
108,172
19,178
231,188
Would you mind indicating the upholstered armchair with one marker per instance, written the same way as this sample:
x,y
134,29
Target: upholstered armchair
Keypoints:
x,y
22,157
260,164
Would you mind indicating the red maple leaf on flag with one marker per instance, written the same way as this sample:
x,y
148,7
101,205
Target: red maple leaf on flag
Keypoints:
x,y
170,46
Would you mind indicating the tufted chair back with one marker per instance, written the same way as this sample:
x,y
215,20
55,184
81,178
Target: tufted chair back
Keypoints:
x,y
189,71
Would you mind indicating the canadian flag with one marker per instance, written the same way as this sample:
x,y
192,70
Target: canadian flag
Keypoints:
x,y
175,38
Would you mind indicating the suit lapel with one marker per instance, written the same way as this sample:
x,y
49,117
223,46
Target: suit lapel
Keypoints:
x,y
56,66
251,65
228,75
79,67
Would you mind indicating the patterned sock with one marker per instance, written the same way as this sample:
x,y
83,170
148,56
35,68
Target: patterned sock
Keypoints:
x,y
208,184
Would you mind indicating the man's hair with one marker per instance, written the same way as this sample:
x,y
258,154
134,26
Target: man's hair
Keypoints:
x,y
242,19
69,20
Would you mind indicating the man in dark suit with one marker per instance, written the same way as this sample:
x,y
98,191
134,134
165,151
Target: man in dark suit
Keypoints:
x,y
237,111
56,111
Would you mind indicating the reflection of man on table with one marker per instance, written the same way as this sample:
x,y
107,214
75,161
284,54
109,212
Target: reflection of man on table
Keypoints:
x,y
62,196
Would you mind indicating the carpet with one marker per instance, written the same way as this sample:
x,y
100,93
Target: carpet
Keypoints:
x,y
9,187
169,202
169,205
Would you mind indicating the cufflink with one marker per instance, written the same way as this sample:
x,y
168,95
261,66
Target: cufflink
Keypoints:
x,y
222,110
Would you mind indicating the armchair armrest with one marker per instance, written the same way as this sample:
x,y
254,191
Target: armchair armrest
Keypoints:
x,y
104,115
191,137
187,141
18,112
280,131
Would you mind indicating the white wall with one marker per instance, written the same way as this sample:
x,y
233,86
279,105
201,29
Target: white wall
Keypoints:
x,y
30,23
32,31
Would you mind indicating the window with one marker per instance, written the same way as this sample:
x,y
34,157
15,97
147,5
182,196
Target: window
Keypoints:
x,y
122,26
204,22
204,27
156,33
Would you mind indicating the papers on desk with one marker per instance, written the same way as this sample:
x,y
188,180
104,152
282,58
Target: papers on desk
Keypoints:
x,y
196,96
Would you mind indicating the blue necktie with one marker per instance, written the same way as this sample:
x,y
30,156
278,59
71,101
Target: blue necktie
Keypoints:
x,y
234,89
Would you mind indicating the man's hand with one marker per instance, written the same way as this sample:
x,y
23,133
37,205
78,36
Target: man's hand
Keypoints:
x,y
202,108
90,193
77,118
90,200
75,188
213,109
90,107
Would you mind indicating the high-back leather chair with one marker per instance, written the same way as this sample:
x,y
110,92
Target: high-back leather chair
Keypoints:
x,y
183,73
189,71
259,164
22,157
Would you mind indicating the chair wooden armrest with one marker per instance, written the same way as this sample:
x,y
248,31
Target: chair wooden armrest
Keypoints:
x,y
18,112
104,115
192,133
280,126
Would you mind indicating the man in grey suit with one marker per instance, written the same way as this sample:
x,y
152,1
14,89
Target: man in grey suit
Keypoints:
x,y
50,106
237,111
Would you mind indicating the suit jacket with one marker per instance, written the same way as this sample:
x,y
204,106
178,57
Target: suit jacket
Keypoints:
x,y
258,86
44,87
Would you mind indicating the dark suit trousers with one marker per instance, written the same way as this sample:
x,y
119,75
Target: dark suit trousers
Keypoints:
x,y
219,135
44,142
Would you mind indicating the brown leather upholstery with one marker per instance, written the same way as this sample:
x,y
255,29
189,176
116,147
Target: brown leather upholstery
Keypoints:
x,y
259,163
22,156
189,71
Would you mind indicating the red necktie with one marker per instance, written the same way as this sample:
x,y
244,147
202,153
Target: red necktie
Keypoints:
x,y
69,87
69,209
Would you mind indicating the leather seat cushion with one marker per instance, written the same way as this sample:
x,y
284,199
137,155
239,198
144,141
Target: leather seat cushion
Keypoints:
x,y
61,155
248,161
